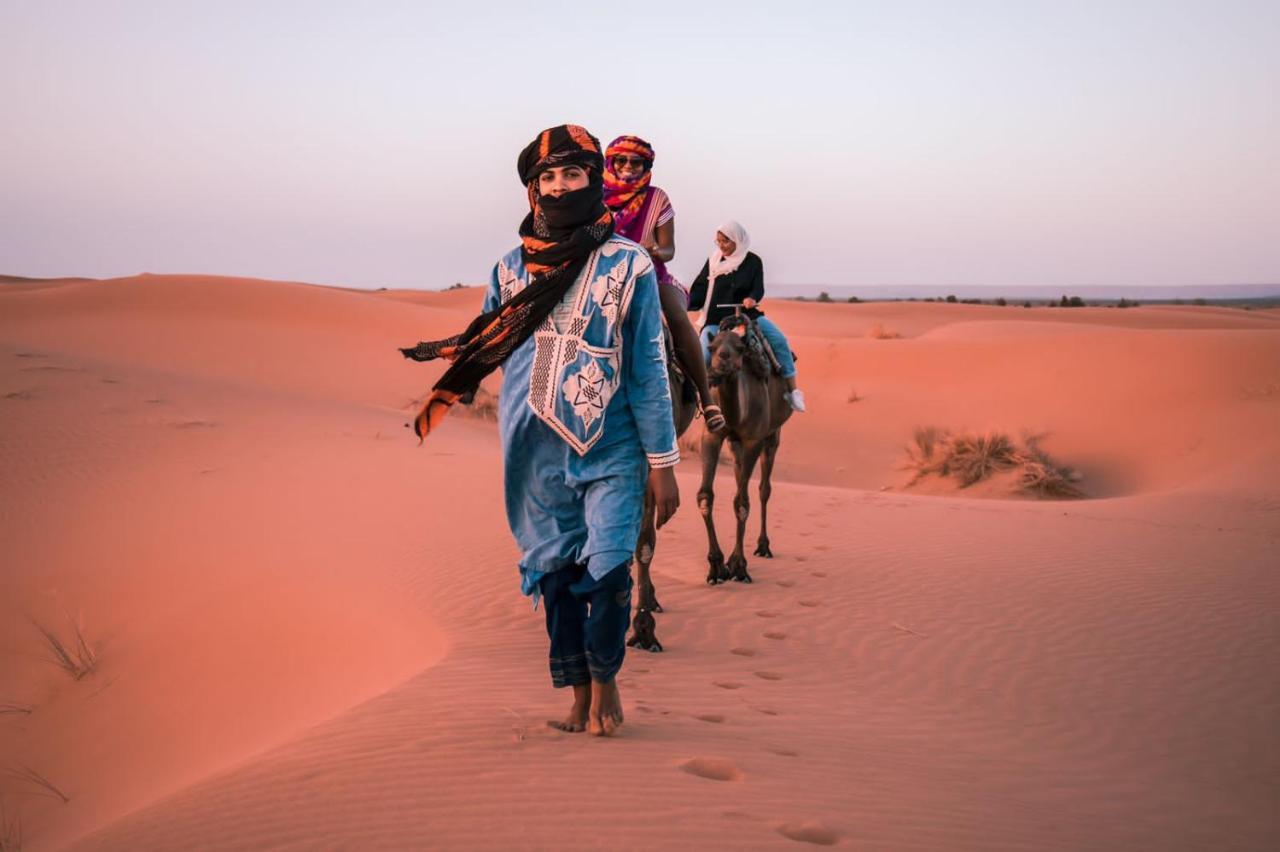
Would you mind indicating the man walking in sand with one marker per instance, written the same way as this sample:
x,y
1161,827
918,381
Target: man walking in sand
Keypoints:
x,y
572,316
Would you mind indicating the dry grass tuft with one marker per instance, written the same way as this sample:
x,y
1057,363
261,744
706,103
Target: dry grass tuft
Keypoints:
x,y
1041,477
77,658
879,332
483,407
10,831
971,457
35,779
853,395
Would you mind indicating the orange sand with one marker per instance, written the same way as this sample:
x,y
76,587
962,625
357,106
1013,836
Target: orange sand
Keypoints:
x,y
311,636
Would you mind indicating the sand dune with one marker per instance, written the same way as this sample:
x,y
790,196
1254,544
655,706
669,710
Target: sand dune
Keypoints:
x,y
310,632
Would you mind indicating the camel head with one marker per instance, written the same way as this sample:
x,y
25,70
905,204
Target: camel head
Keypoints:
x,y
735,347
728,350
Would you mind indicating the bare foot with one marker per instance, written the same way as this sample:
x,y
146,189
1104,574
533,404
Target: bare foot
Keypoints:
x,y
606,709
576,721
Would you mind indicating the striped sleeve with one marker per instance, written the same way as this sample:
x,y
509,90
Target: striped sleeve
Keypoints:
x,y
658,460
665,211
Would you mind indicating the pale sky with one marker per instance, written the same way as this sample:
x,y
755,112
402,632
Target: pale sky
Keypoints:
x,y
861,143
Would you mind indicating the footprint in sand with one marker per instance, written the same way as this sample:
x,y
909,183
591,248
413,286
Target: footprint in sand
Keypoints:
x,y
18,395
713,718
785,752
768,613
822,547
802,559
768,675
786,584
774,634
810,603
768,711
809,832
714,768
745,652
726,684
818,573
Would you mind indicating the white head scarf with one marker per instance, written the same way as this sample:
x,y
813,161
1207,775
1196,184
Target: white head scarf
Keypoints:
x,y
720,264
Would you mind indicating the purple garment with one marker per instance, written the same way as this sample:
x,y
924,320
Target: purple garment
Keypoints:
x,y
633,228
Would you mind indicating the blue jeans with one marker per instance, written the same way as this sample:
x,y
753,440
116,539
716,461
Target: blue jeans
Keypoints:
x,y
587,622
773,334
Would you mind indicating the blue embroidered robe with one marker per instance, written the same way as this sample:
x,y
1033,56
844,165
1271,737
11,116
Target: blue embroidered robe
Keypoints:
x,y
585,411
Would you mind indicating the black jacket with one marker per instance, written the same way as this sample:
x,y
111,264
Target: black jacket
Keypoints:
x,y
745,282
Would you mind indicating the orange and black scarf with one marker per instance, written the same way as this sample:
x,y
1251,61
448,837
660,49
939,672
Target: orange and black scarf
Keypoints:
x,y
625,197
557,237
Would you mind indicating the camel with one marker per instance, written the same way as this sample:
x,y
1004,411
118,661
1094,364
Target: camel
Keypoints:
x,y
752,399
684,406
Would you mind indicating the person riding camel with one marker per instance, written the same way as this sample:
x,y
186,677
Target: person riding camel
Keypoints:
x,y
643,213
732,276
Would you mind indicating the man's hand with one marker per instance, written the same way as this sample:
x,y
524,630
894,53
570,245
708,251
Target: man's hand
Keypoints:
x,y
666,494
749,303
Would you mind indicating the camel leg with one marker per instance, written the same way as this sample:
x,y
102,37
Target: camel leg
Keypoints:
x,y
744,464
711,444
643,626
646,547
766,488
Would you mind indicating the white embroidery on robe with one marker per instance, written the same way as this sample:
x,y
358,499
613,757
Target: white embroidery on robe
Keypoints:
x,y
508,283
588,392
607,292
562,341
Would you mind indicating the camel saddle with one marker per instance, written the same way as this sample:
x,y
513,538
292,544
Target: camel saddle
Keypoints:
x,y
755,339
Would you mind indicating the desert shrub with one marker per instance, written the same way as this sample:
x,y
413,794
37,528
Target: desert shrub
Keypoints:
x,y
951,300
40,785
75,656
970,457
10,831
879,332
483,406
824,296
853,300
1001,302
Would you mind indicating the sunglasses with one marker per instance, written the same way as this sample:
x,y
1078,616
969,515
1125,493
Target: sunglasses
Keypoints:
x,y
635,162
